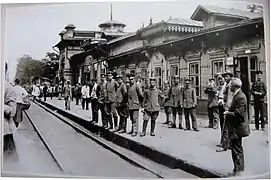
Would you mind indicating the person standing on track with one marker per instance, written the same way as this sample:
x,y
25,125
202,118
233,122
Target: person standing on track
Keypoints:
x,y
151,106
67,95
9,112
121,104
135,97
20,94
45,91
35,92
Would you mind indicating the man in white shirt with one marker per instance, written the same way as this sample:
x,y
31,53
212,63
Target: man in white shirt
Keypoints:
x,y
20,94
94,100
35,92
85,96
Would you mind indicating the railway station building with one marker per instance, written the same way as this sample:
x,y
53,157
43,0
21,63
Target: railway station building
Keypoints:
x,y
213,40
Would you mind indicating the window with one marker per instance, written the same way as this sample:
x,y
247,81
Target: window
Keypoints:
x,y
173,72
195,76
217,67
158,75
144,76
253,68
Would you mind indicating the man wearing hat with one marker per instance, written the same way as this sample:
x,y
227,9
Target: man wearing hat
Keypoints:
x,y
121,104
259,91
94,100
175,94
111,89
212,104
151,106
188,103
221,110
168,102
67,95
101,100
135,97
227,99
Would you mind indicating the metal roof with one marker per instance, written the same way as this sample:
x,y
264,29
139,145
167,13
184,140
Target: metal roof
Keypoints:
x,y
122,38
188,22
237,13
110,22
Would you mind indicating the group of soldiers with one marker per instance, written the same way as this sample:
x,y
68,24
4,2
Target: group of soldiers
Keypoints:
x,y
118,99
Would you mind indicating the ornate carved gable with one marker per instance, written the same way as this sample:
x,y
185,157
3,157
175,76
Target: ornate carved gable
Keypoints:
x,y
253,45
192,56
217,53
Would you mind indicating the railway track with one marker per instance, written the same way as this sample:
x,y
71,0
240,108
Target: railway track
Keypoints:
x,y
157,170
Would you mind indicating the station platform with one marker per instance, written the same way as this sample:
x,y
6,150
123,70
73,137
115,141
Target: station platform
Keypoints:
x,y
194,152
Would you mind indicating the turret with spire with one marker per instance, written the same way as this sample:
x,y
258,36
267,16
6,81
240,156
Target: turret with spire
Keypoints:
x,y
112,26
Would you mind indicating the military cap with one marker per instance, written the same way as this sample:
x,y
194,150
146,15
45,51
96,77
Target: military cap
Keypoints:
x,y
119,76
227,73
259,72
166,82
109,72
94,79
152,78
211,79
176,77
103,75
131,77
187,79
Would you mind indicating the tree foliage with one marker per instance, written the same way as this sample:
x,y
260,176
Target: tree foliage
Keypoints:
x,y
27,68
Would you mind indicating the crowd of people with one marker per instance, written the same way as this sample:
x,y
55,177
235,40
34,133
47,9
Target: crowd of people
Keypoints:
x,y
120,99
227,106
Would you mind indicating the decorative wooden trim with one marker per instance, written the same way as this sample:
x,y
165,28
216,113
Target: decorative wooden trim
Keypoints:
x,y
192,56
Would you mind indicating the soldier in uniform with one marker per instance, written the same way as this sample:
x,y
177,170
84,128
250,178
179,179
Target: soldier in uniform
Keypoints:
x,y
151,106
121,104
101,100
135,97
189,102
259,91
111,89
227,99
168,102
212,104
175,93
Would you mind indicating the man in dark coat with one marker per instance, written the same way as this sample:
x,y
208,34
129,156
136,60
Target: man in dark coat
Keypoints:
x,y
45,89
259,91
175,93
238,124
212,104
135,97
110,96
188,101
121,104
151,106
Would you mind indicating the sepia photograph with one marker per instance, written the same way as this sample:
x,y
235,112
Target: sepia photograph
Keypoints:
x,y
142,89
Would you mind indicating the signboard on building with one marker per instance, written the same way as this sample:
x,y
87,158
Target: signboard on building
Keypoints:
x,y
229,61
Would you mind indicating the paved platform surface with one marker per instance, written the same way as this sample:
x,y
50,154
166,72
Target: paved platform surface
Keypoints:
x,y
197,148
33,157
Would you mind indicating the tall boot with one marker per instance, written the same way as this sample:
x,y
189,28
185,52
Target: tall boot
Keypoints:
x,y
132,129
172,124
135,128
152,127
145,124
115,122
110,121
180,121
119,127
123,126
